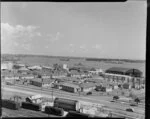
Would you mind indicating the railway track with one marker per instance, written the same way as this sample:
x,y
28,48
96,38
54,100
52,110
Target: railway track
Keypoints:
x,y
72,94
113,108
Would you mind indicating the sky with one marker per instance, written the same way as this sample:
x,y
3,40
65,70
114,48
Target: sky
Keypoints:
x,y
99,30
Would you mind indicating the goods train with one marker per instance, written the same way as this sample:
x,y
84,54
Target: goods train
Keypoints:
x,y
60,107
67,104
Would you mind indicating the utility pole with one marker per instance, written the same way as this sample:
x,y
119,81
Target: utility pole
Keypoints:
x,y
52,94
52,89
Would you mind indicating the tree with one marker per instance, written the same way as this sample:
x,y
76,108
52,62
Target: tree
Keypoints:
x,y
137,100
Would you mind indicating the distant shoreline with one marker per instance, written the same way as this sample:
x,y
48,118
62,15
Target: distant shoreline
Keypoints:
x,y
72,57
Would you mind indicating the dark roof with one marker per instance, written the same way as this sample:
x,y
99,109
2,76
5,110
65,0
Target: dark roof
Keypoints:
x,y
124,71
44,80
68,84
120,69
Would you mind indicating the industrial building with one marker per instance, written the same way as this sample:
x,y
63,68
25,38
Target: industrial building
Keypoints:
x,y
124,71
70,87
87,87
123,74
7,65
29,76
41,82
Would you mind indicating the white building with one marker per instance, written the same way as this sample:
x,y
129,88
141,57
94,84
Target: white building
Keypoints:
x,y
7,66
65,66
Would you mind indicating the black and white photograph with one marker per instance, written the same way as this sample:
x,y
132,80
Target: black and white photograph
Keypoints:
x,y
73,59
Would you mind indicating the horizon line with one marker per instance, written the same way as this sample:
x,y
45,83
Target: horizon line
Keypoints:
x,y
71,56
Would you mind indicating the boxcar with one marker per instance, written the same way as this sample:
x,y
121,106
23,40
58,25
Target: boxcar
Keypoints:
x,y
10,104
76,114
31,106
67,104
54,111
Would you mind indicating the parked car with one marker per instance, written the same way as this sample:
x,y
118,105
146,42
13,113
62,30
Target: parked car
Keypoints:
x,y
130,109
133,104
89,93
112,101
97,89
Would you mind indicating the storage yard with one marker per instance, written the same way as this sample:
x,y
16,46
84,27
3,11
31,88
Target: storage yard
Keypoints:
x,y
109,89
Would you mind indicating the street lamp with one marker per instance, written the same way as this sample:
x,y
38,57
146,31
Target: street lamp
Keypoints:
x,y
52,89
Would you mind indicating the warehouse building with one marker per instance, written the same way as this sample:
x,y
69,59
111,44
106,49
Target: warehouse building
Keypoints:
x,y
46,76
29,76
70,87
124,71
41,82
23,70
7,65
87,87
123,74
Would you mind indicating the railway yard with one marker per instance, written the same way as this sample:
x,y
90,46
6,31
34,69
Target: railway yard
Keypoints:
x,y
82,90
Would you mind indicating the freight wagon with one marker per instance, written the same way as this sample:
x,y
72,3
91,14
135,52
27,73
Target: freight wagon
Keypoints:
x,y
54,111
10,104
76,114
67,104
31,106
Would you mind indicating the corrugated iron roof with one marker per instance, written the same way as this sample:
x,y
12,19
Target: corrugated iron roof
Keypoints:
x,y
69,84
87,85
126,71
118,69
44,80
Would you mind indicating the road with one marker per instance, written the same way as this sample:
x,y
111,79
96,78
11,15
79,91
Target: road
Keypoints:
x,y
116,107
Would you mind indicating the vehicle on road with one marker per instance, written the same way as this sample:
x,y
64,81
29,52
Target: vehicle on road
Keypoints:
x,y
112,101
133,104
89,93
130,109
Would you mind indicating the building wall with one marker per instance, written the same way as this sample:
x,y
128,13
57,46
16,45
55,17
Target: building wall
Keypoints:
x,y
35,83
46,85
108,89
87,89
10,81
8,65
69,89
27,77
45,76
8,78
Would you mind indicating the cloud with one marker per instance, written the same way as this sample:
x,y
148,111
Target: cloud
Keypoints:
x,y
97,46
38,34
16,44
46,47
72,51
83,47
15,36
26,46
56,37
71,45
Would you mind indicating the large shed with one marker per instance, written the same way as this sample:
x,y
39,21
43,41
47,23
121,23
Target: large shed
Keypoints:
x,y
87,87
41,82
70,87
125,71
